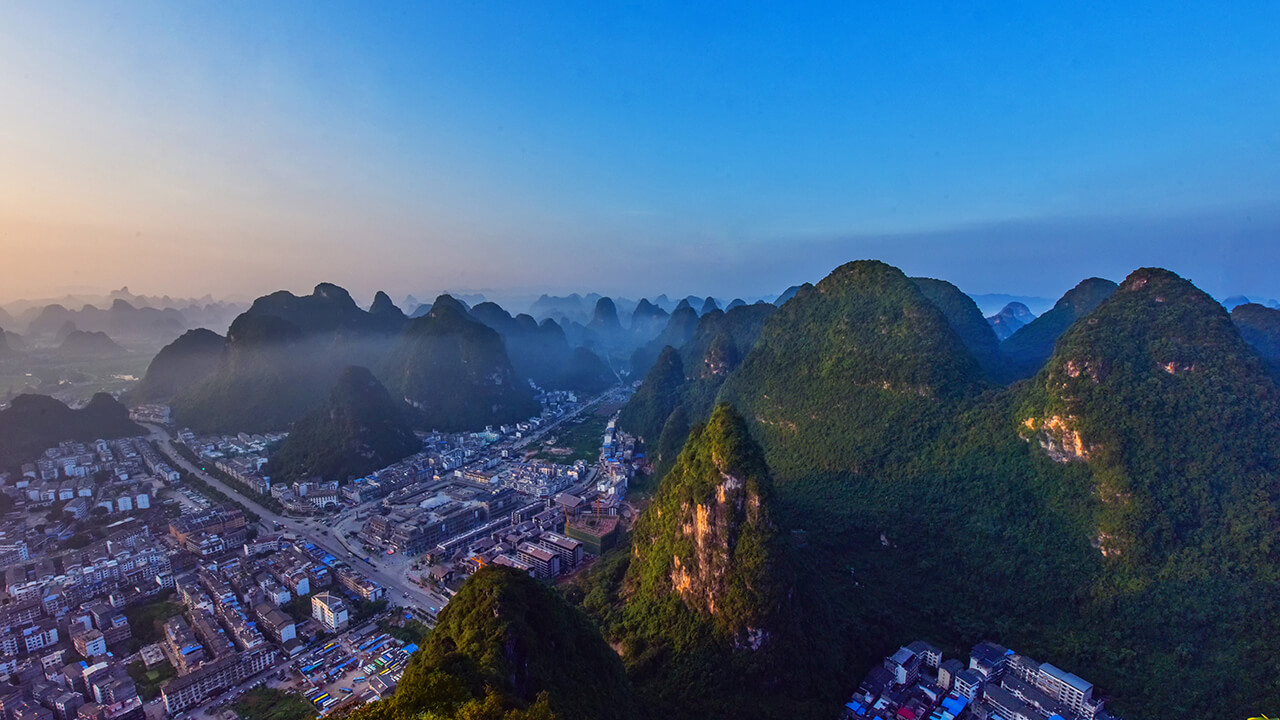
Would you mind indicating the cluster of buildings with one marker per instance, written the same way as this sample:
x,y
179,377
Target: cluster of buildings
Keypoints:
x,y
212,532
236,621
62,614
916,683
307,496
154,413
537,517
416,519
540,479
240,456
119,476
443,456
58,689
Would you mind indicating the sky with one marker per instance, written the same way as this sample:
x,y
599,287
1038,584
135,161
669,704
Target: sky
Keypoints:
x,y
731,149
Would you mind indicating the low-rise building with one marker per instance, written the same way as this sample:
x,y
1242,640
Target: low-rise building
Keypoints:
x,y
187,691
330,611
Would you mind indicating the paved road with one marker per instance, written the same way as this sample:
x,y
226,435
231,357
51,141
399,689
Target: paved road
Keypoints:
x,y
392,578
617,393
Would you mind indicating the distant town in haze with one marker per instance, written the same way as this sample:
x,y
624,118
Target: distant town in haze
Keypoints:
x,y
668,361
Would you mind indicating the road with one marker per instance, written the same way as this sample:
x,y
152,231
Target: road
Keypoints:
x,y
400,590
616,393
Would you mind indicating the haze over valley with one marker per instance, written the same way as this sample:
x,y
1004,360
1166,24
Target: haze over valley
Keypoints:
x,y
501,361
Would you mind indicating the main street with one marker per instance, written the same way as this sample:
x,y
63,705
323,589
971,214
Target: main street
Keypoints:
x,y
615,393
400,590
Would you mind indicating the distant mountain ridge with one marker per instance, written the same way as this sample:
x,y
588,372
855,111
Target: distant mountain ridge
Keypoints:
x,y
1010,319
1027,349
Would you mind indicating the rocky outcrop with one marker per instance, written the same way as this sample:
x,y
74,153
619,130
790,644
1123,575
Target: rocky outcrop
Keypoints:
x,y
709,539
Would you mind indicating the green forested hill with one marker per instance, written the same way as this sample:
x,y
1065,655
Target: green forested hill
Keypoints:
x,y
709,540
689,377
1260,327
358,430
857,372
1179,425
658,395
508,647
180,365
1027,349
966,320
455,371
1117,513
705,607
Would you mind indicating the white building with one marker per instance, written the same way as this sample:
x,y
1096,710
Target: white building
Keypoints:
x,y
330,611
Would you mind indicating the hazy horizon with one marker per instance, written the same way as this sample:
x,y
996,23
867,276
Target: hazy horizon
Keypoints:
x,y
236,149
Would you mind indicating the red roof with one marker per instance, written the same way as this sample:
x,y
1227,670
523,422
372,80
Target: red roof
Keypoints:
x,y
907,713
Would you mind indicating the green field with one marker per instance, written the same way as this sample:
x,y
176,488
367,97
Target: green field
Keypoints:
x,y
72,381
147,620
149,681
582,439
264,703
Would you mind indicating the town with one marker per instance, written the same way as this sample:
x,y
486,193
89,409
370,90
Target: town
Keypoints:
x,y
916,683
167,576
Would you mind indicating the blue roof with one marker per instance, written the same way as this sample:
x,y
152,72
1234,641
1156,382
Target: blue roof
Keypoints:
x,y
954,704
411,648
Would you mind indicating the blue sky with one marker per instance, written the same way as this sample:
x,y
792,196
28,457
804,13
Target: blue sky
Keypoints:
x,y
722,148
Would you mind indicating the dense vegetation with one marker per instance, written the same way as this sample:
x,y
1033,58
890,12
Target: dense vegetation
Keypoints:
x,y
854,374
674,432
282,357
454,370
966,320
1260,327
358,430
265,703
34,423
180,365
508,647
1116,514
690,377
1179,425
704,606
709,539
1027,349
658,395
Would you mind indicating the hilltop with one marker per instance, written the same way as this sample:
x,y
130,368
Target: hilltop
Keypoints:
x,y
508,647
853,372
1260,327
455,372
705,606
33,423
181,365
1027,349
359,429
281,358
